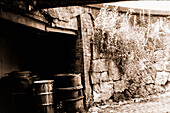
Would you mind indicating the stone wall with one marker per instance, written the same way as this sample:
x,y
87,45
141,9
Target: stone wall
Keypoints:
x,y
102,76
107,69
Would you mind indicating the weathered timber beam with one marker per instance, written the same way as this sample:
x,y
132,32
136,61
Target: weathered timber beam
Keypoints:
x,y
17,18
31,22
40,4
60,30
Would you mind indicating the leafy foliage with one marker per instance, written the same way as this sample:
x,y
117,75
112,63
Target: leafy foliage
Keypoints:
x,y
131,40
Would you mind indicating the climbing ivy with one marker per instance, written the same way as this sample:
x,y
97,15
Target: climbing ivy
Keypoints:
x,y
131,41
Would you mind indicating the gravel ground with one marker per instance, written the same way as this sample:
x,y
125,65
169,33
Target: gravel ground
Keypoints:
x,y
154,104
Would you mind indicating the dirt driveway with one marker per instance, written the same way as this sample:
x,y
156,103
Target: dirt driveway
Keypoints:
x,y
155,104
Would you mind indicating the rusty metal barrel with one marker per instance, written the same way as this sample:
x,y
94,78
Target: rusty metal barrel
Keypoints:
x,y
20,91
73,105
68,91
43,96
21,81
67,80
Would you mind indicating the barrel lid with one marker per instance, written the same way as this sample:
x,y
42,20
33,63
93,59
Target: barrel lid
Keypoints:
x,y
67,74
43,81
23,72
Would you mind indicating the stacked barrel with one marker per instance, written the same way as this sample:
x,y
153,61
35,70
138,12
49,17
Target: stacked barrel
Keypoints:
x,y
21,91
68,96
32,95
43,96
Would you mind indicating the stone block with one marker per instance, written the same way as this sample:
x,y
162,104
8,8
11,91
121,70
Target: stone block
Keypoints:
x,y
96,93
95,77
106,87
113,70
103,91
104,77
96,96
120,86
161,78
99,65
106,90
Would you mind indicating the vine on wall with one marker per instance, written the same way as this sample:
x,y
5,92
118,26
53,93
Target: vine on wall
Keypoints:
x,y
132,41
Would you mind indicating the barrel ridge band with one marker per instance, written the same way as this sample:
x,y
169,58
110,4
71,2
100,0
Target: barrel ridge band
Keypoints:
x,y
43,81
81,97
70,88
68,75
46,104
45,93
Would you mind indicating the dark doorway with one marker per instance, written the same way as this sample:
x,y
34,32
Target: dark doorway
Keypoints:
x,y
43,53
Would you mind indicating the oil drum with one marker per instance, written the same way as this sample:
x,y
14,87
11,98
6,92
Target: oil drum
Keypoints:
x,y
73,105
21,81
67,80
43,96
20,91
68,91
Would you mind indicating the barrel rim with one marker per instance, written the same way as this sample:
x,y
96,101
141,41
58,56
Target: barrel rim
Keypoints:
x,y
70,88
43,81
23,72
67,74
22,77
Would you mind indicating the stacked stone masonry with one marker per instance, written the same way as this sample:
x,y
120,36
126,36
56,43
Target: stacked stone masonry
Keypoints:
x,y
105,71
102,76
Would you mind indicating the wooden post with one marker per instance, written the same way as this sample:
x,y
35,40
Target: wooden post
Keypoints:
x,y
85,33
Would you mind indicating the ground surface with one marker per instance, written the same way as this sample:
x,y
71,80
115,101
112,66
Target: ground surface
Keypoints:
x,y
154,104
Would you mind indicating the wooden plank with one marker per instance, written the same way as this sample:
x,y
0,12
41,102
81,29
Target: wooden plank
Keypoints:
x,y
40,4
60,30
31,22
85,29
22,20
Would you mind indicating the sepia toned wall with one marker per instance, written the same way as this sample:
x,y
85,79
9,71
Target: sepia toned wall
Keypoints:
x,y
101,75
107,63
